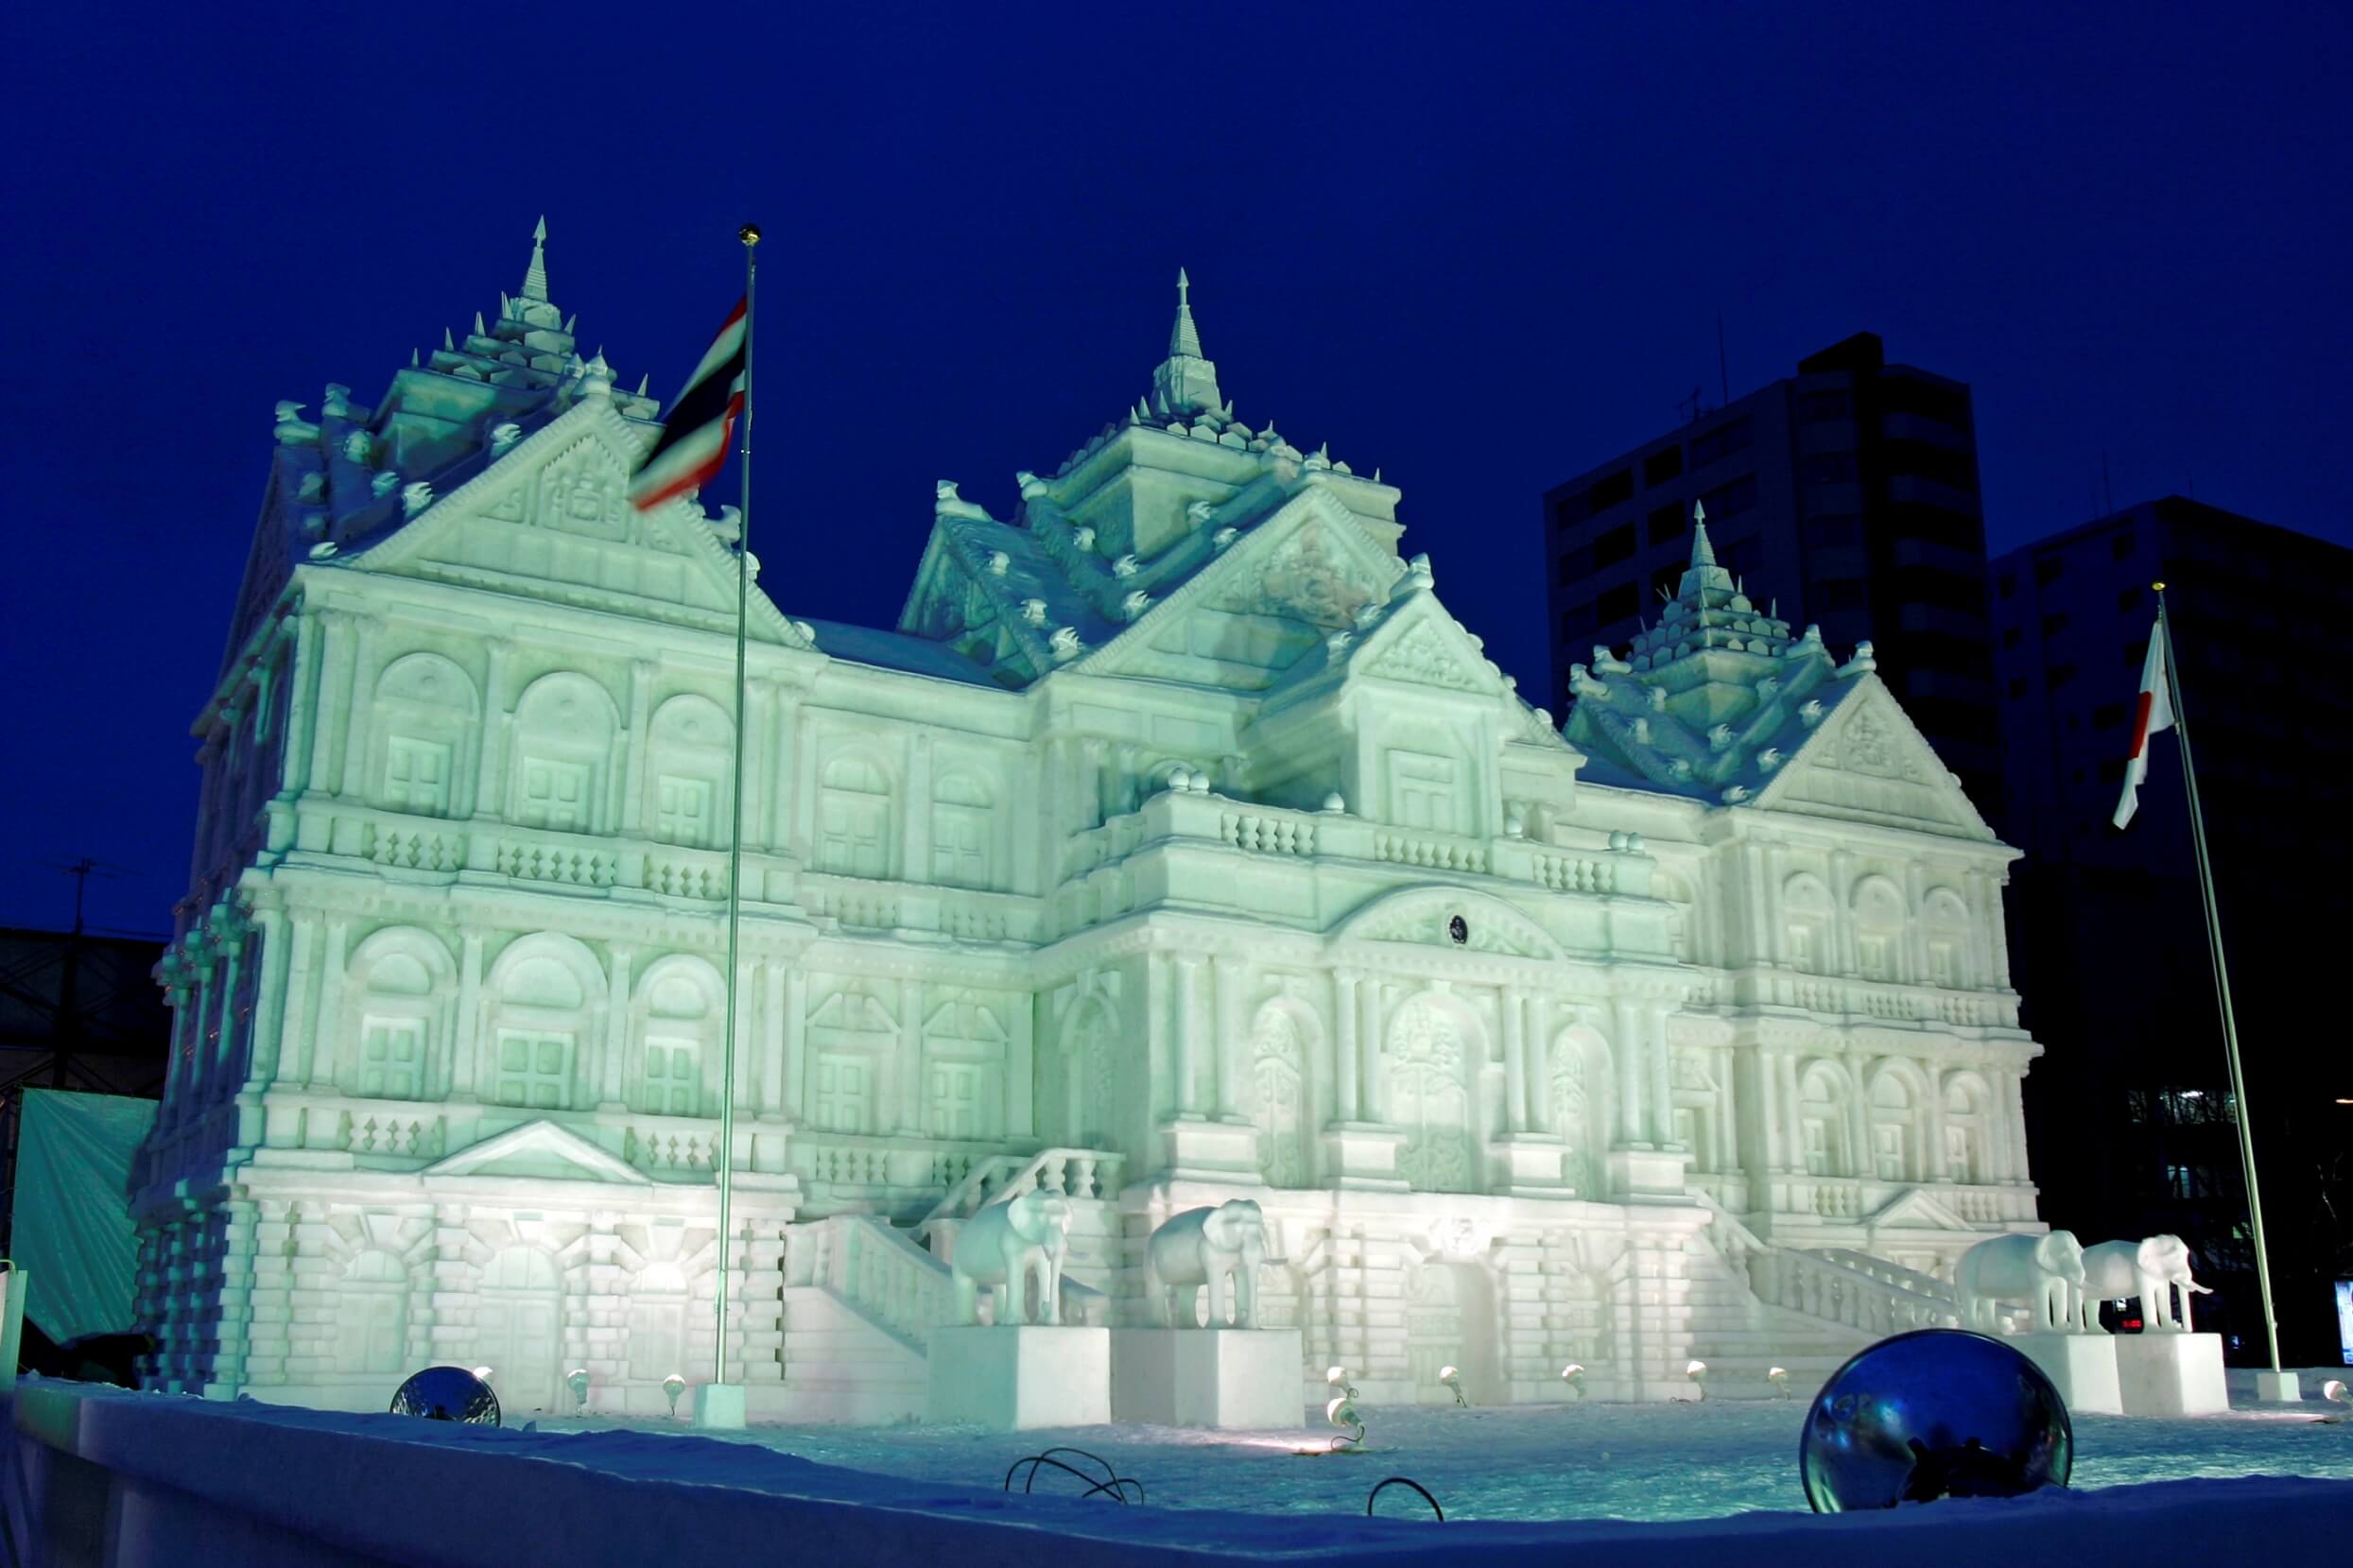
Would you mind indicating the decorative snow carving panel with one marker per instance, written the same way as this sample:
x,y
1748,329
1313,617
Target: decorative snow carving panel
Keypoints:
x,y
1429,1044
1278,1092
1423,656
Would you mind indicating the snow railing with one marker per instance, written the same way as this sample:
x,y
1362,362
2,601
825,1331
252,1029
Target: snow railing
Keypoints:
x,y
872,1264
1820,1286
2013,1318
1072,1172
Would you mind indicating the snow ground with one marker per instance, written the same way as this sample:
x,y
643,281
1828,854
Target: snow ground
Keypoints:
x,y
1530,1462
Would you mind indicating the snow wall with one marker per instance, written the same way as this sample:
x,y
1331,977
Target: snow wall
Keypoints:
x,y
107,1476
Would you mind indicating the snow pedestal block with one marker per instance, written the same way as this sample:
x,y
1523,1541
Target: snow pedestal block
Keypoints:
x,y
1018,1377
1206,1377
2171,1374
2279,1388
2081,1366
718,1406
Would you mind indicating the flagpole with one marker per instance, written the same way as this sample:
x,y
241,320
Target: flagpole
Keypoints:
x,y
2221,987
725,1164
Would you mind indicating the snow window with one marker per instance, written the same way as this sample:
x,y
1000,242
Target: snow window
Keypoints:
x,y
956,1108
844,1097
555,795
682,811
854,829
960,831
391,1059
673,1078
535,1069
416,776
1422,790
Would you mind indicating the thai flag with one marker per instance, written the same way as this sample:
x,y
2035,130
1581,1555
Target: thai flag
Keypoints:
x,y
2154,713
693,438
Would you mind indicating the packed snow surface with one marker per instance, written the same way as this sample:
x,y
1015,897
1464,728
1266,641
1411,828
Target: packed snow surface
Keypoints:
x,y
1593,1461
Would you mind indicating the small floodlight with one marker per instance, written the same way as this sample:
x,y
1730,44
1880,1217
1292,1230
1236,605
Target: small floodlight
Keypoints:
x,y
673,1385
1335,1376
1574,1375
1695,1371
577,1380
1779,1378
1452,1378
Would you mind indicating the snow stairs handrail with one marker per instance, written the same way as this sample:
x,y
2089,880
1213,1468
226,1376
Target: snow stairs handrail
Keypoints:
x,y
1072,1172
1833,1284
876,1269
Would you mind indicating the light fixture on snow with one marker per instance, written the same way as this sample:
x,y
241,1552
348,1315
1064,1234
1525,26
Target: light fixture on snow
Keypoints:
x,y
2334,1392
1335,1377
1779,1378
483,1373
1574,1376
1342,1412
673,1385
1452,1378
577,1380
1695,1371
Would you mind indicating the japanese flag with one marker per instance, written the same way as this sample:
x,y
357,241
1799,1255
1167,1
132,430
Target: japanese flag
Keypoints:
x,y
2155,712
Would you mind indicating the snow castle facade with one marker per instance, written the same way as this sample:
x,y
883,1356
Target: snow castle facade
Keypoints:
x,y
1177,844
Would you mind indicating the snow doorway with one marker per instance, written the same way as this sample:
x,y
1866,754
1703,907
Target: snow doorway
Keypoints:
x,y
1450,1321
519,1327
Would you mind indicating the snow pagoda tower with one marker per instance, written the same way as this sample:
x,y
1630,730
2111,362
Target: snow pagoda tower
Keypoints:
x,y
1177,844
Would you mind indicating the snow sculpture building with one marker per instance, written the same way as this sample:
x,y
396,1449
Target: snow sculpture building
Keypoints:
x,y
1176,845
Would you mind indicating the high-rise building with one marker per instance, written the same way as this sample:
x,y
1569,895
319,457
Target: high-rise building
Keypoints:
x,y
2136,1127
1850,488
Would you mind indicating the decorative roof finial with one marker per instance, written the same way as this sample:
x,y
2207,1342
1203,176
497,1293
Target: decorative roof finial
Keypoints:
x,y
1183,337
1702,553
535,281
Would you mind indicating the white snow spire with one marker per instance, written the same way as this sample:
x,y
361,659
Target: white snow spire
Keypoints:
x,y
1702,553
535,280
1183,337
1185,384
1704,575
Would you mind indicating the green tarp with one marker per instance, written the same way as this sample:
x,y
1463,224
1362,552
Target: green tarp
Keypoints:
x,y
72,1234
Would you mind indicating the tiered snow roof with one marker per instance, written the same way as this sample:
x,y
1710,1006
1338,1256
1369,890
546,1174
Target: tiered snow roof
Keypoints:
x,y
1713,700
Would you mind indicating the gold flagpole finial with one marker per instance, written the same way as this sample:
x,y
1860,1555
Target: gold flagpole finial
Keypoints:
x,y
748,233
2158,586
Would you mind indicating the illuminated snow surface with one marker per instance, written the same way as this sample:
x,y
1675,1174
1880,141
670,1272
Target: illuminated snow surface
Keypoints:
x,y
1596,1461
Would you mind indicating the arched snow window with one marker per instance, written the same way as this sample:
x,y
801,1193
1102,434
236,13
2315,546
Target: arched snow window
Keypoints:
x,y
1806,914
1879,922
1431,1045
1966,1101
962,829
689,767
1822,1121
680,1011
1948,935
562,751
1090,1064
1894,1134
1278,1091
398,996
854,828
544,990
424,733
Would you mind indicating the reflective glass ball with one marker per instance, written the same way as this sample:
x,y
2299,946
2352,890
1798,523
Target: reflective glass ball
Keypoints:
x,y
1932,1414
447,1394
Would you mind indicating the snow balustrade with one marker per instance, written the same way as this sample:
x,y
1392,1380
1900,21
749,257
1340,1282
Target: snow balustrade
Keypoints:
x,y
104,1476
1837,1284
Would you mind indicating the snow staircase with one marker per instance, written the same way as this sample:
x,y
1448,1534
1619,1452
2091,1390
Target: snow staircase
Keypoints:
x,y
1756,1305
861,1296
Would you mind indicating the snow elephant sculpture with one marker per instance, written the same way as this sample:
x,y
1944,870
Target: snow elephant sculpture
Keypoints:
x,y
1209,1247
2044,1272
2147,1271
1005,1247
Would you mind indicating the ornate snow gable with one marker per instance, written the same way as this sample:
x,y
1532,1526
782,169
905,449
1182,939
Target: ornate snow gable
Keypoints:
x,y
1421,645
1869,762
1914,1210
1423,917
550,519
539,1150
1309,570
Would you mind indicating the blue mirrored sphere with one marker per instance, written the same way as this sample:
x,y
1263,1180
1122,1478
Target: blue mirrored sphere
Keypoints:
x,y
447,1394
1936,1413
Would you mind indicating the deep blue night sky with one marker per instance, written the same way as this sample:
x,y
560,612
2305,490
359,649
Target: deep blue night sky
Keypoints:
x,y
1479,255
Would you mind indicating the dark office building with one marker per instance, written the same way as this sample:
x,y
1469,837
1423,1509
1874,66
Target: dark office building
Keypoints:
x,y
1850,488
2130,1113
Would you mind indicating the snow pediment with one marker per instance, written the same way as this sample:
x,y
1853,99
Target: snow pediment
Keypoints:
x,y
551,518
540,1151
1250,614
1426,917
1869,762
1915,1210
1420,643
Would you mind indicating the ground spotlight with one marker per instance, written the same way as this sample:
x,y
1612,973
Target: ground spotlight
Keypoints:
x,y
1574,1375
577,1380
1779,1378
1695,1371
1452,1378
673,1385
